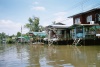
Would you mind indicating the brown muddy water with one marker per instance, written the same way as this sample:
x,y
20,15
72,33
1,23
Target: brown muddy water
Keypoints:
x,y
24,55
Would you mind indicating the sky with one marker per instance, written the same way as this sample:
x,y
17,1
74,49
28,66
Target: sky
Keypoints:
x,y
14,14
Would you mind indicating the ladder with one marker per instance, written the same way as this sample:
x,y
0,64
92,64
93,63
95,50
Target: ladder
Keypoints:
x,y
50,42
76,41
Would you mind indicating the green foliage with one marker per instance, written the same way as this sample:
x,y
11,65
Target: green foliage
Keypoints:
x,y
33,25
27,26
3,35
10,40
41,28
30,20
18,34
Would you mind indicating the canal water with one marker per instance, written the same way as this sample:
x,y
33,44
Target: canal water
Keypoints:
x,y
24,55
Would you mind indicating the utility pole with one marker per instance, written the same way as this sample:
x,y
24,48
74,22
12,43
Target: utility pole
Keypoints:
x,y
21,34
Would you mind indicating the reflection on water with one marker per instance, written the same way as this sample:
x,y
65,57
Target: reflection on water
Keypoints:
x,y
23,55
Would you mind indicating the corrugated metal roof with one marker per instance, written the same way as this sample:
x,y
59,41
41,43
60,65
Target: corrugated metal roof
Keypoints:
x,y
85,25
39,33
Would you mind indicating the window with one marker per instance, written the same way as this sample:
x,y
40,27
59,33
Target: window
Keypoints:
x,y
89,18
77,21
98,17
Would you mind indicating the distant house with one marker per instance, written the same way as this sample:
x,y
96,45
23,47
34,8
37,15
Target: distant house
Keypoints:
x,y
37,36
89,17
40,34
24,39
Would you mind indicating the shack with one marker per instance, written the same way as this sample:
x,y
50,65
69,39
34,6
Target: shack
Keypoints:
x,y
37,36
57,33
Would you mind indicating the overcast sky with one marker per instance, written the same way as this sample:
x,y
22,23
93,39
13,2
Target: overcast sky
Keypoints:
x,y
15,13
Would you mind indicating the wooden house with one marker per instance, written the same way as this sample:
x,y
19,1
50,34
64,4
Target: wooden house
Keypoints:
x,y
57,33
86,27
88,17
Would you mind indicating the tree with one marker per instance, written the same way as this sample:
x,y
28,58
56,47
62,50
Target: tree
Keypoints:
x,y
28,26
36,24
18,34
41,28
33,24
3,35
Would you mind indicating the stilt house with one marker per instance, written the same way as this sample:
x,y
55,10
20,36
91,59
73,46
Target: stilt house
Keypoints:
x,y
86,25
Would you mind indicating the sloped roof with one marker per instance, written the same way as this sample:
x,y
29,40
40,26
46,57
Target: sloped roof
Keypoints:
x,y
21,37
39,33
84,12
57,26
60,26
59,23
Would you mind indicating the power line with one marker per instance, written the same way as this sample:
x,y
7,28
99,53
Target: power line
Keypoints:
x,y
86,1
73,6
77,5
93,5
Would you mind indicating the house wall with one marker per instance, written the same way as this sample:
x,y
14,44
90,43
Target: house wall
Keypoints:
x,y
87,14
83,19
83,16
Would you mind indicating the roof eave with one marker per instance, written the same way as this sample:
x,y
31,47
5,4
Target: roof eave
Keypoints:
x,y
84,12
